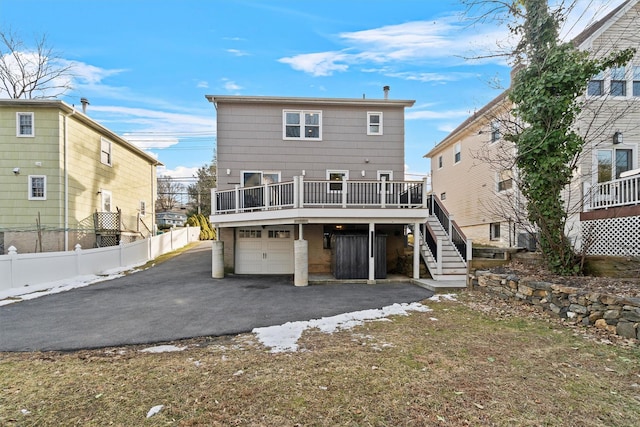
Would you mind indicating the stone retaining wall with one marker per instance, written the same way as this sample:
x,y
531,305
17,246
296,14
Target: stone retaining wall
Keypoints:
x,y
620,315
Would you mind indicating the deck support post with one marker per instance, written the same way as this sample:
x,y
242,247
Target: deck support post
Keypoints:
x,y
417,247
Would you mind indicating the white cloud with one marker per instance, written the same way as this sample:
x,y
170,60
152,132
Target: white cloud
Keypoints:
x,y
231,86
147,141
318,64
237,52
202,84
447,127
156,121
89,74
431,77
178,172
447,40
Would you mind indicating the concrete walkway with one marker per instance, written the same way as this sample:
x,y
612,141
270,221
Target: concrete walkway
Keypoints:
x,y
178,299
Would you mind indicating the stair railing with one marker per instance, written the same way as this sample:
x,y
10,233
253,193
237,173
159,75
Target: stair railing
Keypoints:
x,y
456,236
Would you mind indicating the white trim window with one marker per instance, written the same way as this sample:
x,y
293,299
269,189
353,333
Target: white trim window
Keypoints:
x,y
37,187
595,86
457,153
143,208
618,86
336,177
302,125
105,152
440,162
374,123
25,125
636,80
494,231
505,180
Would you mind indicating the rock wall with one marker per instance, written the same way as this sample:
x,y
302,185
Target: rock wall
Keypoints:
x,y
619,315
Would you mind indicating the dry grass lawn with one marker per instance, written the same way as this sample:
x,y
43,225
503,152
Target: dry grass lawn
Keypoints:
x,y
468,367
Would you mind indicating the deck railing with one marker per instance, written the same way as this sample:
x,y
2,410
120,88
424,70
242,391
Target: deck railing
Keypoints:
x,y
619,192
301,193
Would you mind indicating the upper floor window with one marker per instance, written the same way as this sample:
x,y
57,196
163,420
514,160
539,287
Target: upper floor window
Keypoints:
x,y
596,85
495,131
457,154
636,80
618,82
302,125
143,208
37,187
374,123
24,124
439,162
505,180
105,151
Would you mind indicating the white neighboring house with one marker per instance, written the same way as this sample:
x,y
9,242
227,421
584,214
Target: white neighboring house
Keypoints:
x,y
603,200
171,218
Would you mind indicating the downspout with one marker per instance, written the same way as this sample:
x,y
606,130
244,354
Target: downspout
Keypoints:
x,y
66,179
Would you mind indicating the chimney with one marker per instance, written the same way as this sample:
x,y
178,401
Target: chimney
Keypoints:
x,y
386,92
84,102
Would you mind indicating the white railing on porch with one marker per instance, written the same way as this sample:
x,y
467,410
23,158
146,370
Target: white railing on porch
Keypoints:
x,y
619,192
301,193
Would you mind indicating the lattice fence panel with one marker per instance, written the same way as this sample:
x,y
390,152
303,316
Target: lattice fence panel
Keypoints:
x,y
612,236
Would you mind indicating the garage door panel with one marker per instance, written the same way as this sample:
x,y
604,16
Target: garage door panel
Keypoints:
x,y
264,251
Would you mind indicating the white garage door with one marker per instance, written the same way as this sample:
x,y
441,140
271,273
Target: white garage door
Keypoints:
x,y
264,250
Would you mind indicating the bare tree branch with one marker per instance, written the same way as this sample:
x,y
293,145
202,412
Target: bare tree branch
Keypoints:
x,y
32,73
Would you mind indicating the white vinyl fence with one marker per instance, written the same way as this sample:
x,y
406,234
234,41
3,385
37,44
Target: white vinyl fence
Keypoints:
x,y
18,270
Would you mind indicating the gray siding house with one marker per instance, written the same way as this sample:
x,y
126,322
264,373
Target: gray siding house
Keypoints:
x,y
300,180
314,186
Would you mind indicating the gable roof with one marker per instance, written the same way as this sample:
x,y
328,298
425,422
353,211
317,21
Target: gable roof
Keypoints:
x,y
598,27
86,120
476,115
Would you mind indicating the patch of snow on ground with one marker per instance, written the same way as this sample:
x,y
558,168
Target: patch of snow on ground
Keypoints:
x,y
283,338
153,411
446,297
162,349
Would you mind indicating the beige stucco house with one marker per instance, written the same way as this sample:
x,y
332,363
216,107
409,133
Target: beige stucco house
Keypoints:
x,y
58,169
473,167
314,185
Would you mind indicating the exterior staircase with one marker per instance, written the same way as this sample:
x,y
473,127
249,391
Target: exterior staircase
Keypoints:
x,y
445,251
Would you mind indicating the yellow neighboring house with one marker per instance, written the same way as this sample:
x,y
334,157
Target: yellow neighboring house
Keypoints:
x,y
474,175
66,179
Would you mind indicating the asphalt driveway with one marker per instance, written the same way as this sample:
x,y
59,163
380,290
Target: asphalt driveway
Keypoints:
x,y
178,299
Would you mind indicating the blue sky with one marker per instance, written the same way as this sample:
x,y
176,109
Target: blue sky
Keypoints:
x,y
146,66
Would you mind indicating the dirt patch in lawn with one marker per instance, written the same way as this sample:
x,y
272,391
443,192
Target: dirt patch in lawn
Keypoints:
x,y
466,362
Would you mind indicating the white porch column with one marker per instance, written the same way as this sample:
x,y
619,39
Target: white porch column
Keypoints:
x,y
416,250
301,262
217,259
372,254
